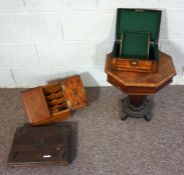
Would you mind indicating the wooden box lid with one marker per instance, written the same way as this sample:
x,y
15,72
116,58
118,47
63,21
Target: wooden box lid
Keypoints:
x,y
44,145
143,20
74,92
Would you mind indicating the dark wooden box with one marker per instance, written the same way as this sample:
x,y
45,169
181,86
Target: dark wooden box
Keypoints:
x,y
44,145
54,102
137,20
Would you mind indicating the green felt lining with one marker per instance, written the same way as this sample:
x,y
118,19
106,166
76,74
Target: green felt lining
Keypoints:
x,y
135,44
153,51
139,20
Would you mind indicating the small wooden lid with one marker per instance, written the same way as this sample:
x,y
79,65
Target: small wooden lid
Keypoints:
x,y
74,92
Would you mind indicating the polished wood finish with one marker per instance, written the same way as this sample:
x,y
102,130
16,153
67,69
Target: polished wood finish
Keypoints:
x,y
134,65
35,105
44,145
74,92
51,88
54,117
136,83
54,102
55,95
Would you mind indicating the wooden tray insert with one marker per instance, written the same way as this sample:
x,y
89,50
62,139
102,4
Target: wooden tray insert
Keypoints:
x,y
54,102
55,98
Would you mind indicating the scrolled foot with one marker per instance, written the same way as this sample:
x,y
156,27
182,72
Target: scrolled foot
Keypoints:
x,y
124,116
148,116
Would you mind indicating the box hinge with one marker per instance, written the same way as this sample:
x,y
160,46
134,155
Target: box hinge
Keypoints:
x,y
152,42
120,42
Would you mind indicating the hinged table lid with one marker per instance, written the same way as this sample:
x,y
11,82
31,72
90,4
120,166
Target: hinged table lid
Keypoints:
x,y
139,20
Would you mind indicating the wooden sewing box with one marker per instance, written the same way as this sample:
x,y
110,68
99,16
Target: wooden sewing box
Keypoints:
x,y
54,102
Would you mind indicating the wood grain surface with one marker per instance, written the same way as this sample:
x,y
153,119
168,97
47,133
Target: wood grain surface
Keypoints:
x,y
54,102
44,145
74,92
137,83
134,65
35,105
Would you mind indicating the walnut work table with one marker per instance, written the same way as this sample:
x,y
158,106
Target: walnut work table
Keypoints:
x,y
139,85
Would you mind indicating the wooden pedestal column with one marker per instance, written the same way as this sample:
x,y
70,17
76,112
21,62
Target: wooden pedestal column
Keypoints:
x,y
137,100
137,106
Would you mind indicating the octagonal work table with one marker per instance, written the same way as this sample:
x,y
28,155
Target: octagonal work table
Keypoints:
x,y
139,85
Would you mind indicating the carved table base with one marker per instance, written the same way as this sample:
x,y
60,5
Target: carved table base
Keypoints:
x,y
137,106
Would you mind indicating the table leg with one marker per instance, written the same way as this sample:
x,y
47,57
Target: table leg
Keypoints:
x,y
137,106
137,100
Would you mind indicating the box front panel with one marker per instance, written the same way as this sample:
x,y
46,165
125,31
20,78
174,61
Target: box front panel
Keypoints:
x,y
35,105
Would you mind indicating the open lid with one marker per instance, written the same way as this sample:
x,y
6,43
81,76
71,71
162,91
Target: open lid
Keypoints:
x,y
35,105
139,20
74,92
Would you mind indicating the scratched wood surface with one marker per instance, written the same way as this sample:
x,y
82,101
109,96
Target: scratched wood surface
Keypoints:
x,y
43,145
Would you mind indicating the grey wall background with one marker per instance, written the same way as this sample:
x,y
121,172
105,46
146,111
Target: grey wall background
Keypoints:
x,y
42,40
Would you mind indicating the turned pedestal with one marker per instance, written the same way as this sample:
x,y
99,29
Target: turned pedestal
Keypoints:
x,y
137,106
139,85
